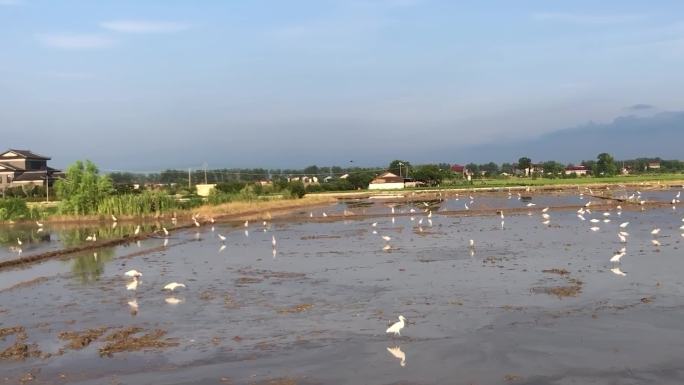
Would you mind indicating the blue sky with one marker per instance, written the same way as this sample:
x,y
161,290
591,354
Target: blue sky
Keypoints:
x,y
145,85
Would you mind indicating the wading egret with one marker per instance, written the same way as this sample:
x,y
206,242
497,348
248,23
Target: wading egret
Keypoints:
x,y
386,238
624,224
173,285
273,241
655,231
133,273
616,257
617,271
655,242
221,237
594,228
137,230
397,326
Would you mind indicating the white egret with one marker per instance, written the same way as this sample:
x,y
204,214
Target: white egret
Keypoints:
x,y
374,224
655,242
545,209
466,206
386,238
622,238
594,220
133,273
546,216
166,232
606,220
223,247
325,215
19,242
137,230
546,222
397,326
471,243
594,228
386,247
531,205
624,224
133,304
39,224
580,216
166,242
197,224
221,237
624,233
655,231
606,214
398,353
617,271
616,257
273,241
91,238
247,223
114,218
173,285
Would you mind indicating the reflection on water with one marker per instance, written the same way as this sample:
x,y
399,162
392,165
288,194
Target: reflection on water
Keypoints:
x,y
89,266
399,354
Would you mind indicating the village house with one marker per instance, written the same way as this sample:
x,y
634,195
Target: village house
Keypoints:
x,y
23,168
654,165
386,181
577,170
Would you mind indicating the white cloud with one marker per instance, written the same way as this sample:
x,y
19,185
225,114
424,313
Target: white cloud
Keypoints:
x,y
75,41
143,26
585,18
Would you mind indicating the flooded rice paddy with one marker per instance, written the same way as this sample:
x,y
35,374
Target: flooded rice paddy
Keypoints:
x,y
528,303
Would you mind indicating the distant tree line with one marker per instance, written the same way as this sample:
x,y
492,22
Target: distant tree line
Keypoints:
x,y
336,178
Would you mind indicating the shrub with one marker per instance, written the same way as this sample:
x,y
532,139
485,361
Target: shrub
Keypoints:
x,y
13,209
297,189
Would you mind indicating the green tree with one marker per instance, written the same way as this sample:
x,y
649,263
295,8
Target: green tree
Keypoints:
x,y
491,169
82,189
400,167
430,174
605,165
552,169
524,163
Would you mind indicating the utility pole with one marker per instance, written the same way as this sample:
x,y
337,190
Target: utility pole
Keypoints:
x,y
205,172
47,185
189,180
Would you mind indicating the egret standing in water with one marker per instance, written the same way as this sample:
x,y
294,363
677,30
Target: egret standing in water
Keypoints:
x,y
173,285
397,326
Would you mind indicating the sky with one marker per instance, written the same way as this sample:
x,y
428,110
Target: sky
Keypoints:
x,y
145,85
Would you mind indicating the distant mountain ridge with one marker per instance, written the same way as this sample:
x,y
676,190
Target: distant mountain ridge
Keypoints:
x,y
627,137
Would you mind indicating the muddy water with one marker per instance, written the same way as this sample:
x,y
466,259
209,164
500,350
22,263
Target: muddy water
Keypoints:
x,y
529,304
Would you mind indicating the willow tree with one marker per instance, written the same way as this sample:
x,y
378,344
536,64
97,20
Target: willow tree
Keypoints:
x,y
82,189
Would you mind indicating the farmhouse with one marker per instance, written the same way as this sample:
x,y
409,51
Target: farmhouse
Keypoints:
x,y
386,181
577,170
20,168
